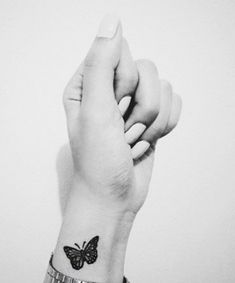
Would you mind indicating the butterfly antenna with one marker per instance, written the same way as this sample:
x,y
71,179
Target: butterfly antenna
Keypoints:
x,y
77,245
83,245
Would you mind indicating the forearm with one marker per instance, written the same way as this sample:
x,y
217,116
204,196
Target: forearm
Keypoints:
x,y
84,219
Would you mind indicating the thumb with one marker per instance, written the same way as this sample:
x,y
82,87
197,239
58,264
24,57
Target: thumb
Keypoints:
x,y
99,65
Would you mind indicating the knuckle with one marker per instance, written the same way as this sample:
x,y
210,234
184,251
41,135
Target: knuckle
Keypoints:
x,y
131,77
126,81
147,64
150,110
151,105
129,81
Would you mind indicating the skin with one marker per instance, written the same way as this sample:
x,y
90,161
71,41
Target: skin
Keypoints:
x,y
113,152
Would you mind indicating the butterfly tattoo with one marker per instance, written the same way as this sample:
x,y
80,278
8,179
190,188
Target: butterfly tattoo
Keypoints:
x,y
88,253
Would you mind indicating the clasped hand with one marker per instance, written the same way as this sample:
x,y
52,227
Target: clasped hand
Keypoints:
x,y
117,109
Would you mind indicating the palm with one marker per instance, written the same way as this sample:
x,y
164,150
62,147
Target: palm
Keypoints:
x,y
142,173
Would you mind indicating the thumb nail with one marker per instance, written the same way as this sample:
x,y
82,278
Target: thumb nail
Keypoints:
x,y
108,26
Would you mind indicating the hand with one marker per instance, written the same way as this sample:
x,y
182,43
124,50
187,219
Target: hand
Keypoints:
x,y
103,144
113,146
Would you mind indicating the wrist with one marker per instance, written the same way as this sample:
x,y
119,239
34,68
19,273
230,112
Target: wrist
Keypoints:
x,y
85,218
113,200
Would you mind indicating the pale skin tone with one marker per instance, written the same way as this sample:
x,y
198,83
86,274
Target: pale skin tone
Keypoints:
x,y
113,152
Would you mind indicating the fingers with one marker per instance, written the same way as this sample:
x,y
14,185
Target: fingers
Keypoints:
x,y
124,104
139,149
146,101
158,127
126,75
134,132
99,65
108,75
147,95
167,119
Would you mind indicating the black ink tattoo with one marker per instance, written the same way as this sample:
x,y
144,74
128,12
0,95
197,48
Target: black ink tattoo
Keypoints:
x,y
88,253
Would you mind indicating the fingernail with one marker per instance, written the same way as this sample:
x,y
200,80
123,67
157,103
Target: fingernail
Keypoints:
x,y
134,132
139,149
124,104
108,26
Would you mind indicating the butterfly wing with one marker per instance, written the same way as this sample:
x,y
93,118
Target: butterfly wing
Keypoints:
x,y
90,250
75,256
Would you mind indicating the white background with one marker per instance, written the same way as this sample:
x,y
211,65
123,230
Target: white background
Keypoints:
x,y
186,230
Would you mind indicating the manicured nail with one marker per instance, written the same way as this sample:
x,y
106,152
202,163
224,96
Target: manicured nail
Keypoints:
x,y
124,104
108,26
139,149
134,132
